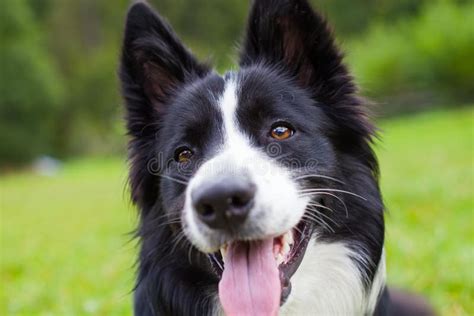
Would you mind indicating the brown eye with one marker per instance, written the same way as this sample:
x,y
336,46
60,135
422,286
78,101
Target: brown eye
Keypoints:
x,y
183,155
281,132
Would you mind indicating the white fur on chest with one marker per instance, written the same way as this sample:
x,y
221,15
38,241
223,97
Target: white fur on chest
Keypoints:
x,y
329,283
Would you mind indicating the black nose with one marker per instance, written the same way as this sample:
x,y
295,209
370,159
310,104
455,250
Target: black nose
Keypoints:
x,y
224,203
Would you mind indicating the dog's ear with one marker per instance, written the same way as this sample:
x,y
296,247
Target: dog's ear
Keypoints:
x,y
288,33
154,64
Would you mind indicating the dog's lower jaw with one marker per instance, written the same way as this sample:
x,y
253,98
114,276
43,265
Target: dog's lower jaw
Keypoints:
x,y
328,282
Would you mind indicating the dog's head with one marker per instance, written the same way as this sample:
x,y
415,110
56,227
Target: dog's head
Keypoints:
x,y
257,161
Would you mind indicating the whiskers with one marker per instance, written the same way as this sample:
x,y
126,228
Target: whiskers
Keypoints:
x,y
319,213
333,190
330,192
173,179
177,240
313,214
320,176
181,241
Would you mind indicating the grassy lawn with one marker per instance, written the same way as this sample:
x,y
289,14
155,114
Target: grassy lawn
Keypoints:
x,y
65,248
427,181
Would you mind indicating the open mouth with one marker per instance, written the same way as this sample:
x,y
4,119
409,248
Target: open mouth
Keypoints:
x,y
257,274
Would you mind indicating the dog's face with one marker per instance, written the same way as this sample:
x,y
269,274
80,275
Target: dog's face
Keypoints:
x,y
249,142
250,166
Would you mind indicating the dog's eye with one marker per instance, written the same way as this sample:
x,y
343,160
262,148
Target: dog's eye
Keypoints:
x,y
183,155
281,131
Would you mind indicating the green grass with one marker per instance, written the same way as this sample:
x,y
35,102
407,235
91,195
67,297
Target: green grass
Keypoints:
x,y
427,181
65,249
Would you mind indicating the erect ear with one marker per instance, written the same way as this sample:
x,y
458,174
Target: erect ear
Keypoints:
x,y
154,64
289,34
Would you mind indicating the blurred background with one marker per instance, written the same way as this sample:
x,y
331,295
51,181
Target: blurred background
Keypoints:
x,y
65,214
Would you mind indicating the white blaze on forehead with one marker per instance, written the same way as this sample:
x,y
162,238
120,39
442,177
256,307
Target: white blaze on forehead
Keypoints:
x,y
228,105
228,102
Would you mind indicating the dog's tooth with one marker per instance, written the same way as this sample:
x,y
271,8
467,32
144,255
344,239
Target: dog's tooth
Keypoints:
x,y
285,249
288,238
223,252
279,259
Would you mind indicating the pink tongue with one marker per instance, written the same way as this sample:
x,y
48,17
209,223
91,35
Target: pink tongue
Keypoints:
x,y
250,283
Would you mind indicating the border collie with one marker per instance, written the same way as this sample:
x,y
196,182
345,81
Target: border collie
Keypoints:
x,y
258,189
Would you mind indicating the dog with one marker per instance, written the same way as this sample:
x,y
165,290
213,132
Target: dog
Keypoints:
x,y
257,189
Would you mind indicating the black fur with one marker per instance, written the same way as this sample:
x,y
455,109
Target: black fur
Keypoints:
x,y
290,68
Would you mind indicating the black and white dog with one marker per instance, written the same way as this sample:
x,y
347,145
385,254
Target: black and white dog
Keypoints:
x,y
258,189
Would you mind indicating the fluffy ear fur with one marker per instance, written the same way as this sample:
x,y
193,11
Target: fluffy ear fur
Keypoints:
x,y
288,34
154,65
